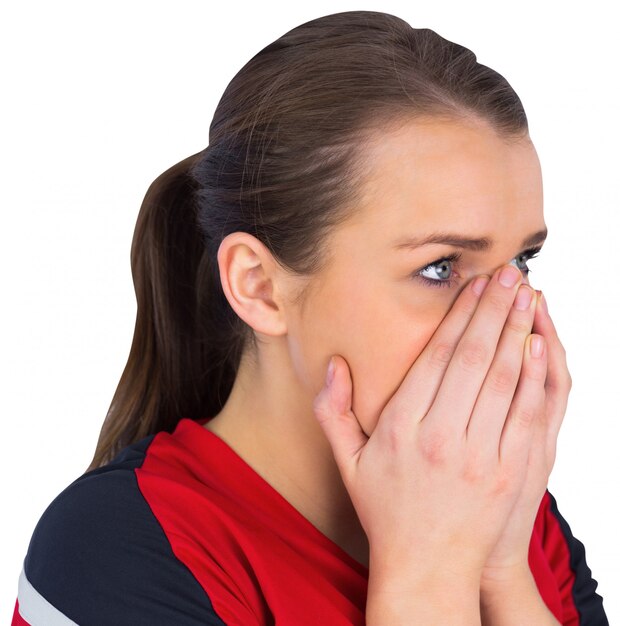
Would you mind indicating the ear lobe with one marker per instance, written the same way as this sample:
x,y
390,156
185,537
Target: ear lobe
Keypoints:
x,y
249,280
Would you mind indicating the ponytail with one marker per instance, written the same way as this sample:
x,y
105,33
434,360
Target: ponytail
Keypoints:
x,y
182,362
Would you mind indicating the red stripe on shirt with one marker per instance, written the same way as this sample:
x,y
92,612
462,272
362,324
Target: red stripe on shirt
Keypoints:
x,y
18,620
557,553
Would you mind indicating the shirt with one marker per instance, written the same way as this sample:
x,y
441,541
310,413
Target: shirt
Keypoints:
x,y
179,529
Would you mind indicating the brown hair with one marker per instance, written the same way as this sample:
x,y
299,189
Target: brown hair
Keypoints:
x,y
285,161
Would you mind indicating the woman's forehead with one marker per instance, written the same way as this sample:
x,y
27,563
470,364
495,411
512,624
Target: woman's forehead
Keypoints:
x,y
452,153
450,182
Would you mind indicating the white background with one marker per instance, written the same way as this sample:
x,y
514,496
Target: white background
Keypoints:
x,y
100,98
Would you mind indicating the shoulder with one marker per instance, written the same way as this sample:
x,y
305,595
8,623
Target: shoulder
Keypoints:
x,y
565,557
98,555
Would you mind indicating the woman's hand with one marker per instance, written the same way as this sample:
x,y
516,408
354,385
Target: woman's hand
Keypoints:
x,y
435,483
509,558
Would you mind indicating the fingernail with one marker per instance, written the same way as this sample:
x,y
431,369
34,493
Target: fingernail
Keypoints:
x,y
509,276
536,346
330,372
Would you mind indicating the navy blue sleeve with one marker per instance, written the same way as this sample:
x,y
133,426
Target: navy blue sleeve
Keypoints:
x,y
588,603
99,557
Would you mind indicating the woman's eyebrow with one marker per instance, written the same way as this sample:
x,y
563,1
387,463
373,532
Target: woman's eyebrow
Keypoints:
x,y
478,244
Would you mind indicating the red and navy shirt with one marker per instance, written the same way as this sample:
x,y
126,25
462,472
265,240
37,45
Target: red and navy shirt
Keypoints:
x,y
179,529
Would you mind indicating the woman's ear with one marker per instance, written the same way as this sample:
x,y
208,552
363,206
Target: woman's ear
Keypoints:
x,y
253,283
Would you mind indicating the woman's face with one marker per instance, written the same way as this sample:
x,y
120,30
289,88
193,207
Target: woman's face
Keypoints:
x,y
380,300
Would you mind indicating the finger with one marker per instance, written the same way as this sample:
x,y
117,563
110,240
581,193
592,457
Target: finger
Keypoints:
x,y
526,408
559,381
332,409
473,355
419,387
498,390
539,464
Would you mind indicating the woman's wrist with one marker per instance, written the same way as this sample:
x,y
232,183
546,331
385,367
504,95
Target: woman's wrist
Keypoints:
x,y
398,596
510,598
497,579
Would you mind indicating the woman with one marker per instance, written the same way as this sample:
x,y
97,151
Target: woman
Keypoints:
x,y
354,166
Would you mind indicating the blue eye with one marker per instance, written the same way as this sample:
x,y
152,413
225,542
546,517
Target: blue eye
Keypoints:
x,y
444,262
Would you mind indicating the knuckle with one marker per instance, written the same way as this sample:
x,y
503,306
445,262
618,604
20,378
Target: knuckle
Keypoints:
x,y
440,355
474,471
566,385
504,485
497,303
398,431
524,415
502,379
561,384
433,446
472,355
518,324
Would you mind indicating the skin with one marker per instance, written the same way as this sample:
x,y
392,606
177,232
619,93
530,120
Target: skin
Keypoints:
x,y
367,306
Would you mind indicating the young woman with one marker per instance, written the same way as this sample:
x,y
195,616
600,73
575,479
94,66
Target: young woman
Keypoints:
x,y
368,200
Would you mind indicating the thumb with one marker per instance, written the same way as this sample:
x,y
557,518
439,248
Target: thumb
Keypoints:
x,y
332,409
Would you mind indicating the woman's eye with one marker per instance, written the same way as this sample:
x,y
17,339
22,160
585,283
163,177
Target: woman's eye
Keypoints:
x,y
525,258
441,270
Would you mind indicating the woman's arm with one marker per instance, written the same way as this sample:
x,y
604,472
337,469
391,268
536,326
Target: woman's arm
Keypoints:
x,y
557,583
400,598
514,602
